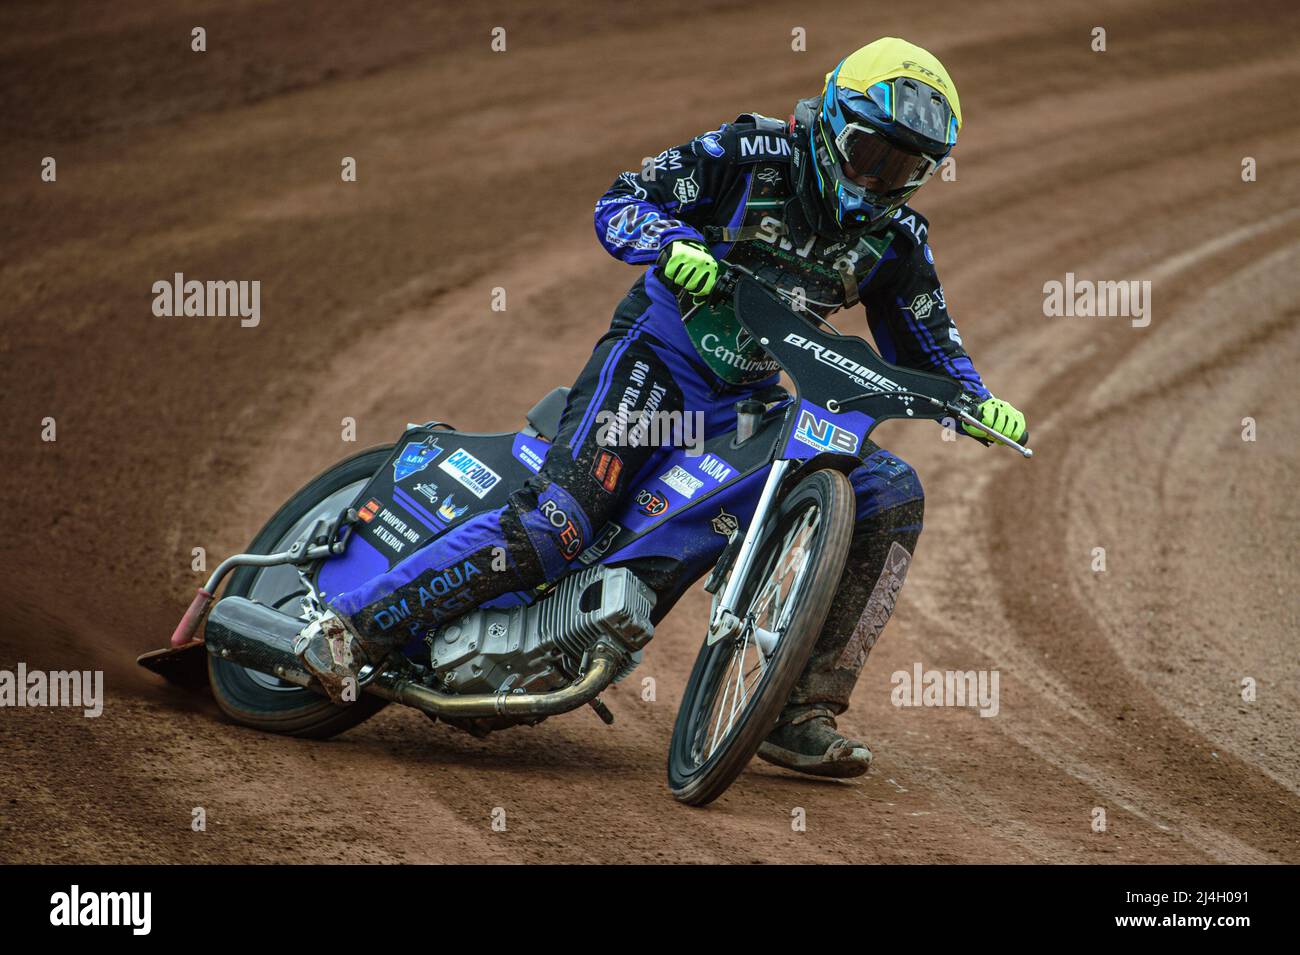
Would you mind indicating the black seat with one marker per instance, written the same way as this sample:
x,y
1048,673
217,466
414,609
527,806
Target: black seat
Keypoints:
x,y
544,418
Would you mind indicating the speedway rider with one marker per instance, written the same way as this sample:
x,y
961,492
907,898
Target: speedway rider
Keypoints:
x,y
816,206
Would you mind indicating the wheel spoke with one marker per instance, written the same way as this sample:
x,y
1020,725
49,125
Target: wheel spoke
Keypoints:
x,y
721,705
766,620
739,698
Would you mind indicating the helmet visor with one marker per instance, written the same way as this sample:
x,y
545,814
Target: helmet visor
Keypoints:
x,y
889,167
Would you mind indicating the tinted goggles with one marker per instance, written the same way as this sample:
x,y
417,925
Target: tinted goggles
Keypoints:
x,y
867,153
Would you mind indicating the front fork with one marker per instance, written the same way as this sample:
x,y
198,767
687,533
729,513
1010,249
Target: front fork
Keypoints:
x,y
725,622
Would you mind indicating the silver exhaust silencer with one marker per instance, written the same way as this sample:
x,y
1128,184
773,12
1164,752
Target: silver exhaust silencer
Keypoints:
x,y
260,638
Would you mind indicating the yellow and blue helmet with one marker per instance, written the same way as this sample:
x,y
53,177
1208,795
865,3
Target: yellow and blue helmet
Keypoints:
x,y
887,116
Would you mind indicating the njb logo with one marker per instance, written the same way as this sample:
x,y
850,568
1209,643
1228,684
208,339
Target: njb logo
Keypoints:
x,y
825,435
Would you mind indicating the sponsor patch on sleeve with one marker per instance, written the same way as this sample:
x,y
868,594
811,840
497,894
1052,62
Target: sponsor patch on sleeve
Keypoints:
x,y
606,469
711,143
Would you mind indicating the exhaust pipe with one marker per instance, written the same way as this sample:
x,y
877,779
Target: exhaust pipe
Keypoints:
x,y
260,638
601,670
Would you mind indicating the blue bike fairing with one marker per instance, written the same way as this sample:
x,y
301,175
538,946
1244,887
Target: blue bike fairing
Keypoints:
x,y
447,551
497,557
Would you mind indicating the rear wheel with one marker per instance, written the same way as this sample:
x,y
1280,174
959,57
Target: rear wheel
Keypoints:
x,y
739,685
257,699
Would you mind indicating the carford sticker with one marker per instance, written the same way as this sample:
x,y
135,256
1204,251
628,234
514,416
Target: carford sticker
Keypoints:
x,y
471,472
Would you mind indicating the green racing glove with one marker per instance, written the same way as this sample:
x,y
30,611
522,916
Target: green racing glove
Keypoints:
x,y
689,266
1000,416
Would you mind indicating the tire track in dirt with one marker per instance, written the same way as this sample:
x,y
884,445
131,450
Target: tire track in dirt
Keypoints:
x,y
1216,821
198,434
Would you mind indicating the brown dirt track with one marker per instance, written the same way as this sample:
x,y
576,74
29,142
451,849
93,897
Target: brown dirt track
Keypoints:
x,y
1120,690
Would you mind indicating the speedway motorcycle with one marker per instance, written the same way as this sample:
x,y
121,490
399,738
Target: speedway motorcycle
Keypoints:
x,y
775,488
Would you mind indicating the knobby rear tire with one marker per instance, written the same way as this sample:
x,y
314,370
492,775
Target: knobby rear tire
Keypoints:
x,y
255,700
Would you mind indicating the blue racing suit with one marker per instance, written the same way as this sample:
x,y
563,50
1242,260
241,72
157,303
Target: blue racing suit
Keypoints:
x,y
732,189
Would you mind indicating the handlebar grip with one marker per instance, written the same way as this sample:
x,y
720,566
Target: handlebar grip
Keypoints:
x,y
725,285
989,442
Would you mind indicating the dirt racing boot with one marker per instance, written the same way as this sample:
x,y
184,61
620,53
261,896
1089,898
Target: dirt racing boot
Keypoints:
x,y
332,653
890,508
806,740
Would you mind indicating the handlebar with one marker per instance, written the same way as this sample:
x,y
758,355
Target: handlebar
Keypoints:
x,y
730,275
1021,446
956,410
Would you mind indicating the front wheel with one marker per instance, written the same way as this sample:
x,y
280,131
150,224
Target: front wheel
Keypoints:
x,y
739,685
258,699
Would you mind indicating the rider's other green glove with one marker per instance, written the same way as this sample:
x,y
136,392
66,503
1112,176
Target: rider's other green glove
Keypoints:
x,y
689,266
1000,416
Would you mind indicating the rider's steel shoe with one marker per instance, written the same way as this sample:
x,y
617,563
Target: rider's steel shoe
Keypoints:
x,y
806,740
331,652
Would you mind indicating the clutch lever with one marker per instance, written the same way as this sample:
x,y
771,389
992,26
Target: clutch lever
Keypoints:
x,y
999,438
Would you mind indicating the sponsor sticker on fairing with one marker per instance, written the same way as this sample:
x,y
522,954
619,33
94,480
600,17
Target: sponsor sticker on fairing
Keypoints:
x,y
415,457
824,435
530,458
844,365
471,472
449,510
725,524
651,503
397,534
715,467
681,481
